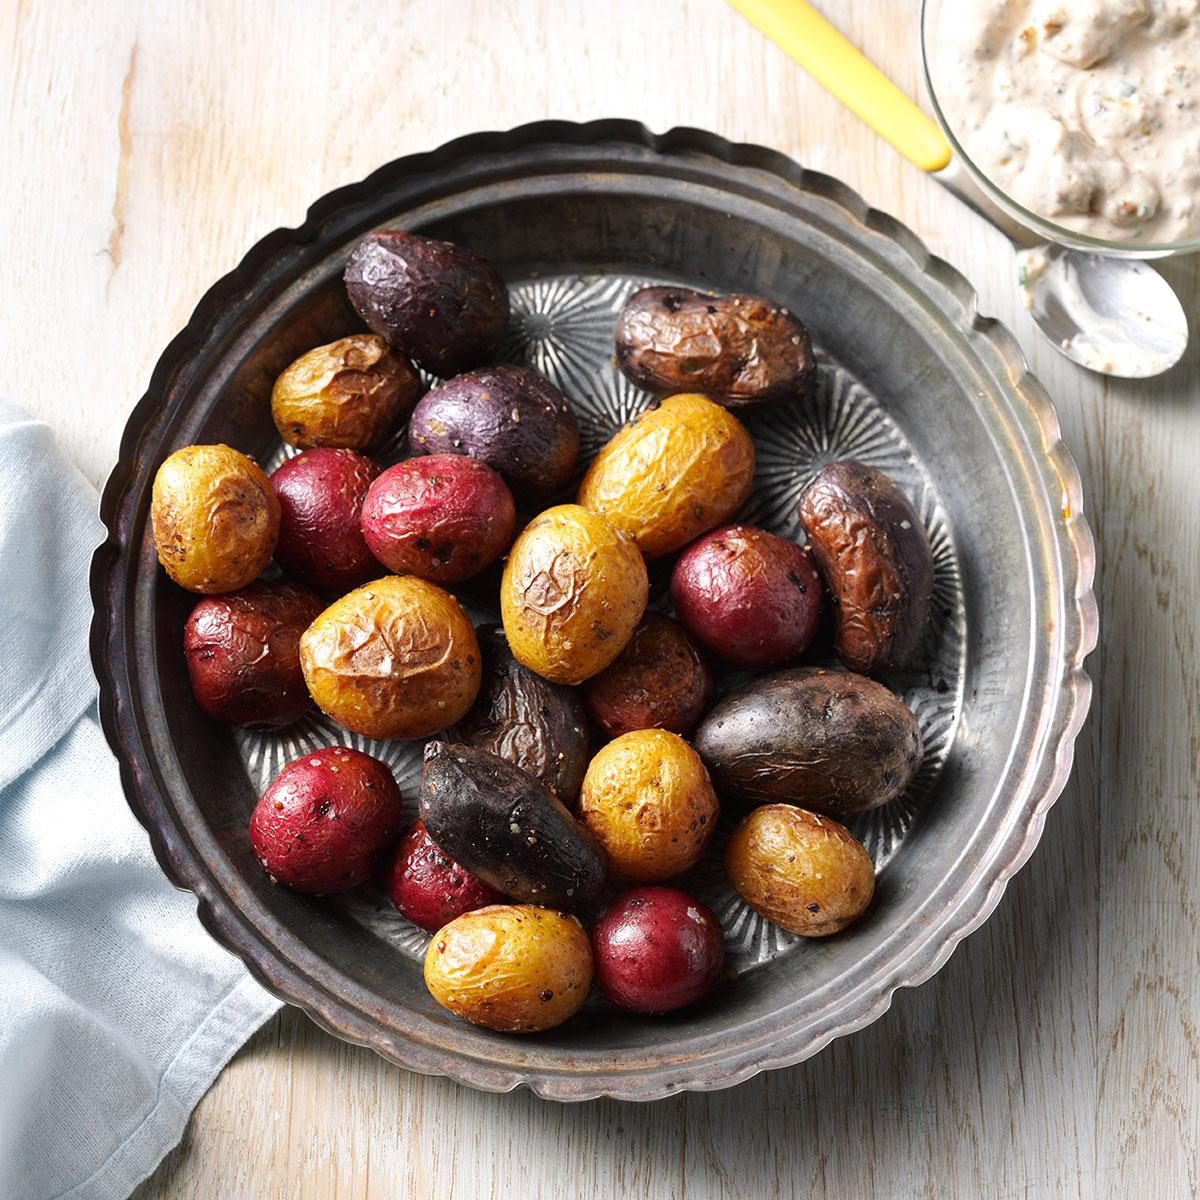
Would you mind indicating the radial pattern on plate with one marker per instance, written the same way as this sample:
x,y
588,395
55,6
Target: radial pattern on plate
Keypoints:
x,y
563,326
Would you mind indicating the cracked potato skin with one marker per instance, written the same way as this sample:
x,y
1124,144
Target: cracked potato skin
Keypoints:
x,y
807,873
396,658
325,821
214,517
537,725
509,417
828,740
243,654
740,350
321,493
659,681
748,596
874,553
440,303
507,829
349,394
650,803
678,470
573,591
515,968
443,518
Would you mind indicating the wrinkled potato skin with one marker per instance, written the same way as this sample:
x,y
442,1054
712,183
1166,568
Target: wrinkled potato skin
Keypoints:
x,y
875,556
428,887
507,829
325,820
509,417
678,470
440,303
828,740
537,725
649,801
807,873
321,493
573,592
348,395
514,968
396,658
659,681
215,519
243,654
740,350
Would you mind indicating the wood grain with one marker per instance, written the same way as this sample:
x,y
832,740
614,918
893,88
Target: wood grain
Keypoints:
x,y
148,145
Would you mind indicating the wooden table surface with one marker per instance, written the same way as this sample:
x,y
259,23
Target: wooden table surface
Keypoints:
x,y
149,145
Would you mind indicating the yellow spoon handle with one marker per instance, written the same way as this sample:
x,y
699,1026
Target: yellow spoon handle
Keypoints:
x,y
799,30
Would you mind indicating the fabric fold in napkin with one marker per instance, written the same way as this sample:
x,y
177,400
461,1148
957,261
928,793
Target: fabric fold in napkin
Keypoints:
x,y
117,1010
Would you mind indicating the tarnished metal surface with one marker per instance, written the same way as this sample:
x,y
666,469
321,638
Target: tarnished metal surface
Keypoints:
x,y
911,380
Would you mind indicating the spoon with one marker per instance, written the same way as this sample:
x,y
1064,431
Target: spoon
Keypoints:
x,y
1116,316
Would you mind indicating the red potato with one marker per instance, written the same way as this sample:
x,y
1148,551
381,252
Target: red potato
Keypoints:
x,y
659,681
321,493
243,654
443,517
748,596
324,822
657,949
429,887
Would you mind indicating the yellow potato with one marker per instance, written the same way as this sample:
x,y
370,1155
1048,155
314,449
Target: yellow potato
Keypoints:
x,y
396,658
215,518
512,967
648,800
573,592
676,472
805,872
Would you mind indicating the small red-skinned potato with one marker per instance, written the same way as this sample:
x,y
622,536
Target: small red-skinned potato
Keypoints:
x,y
807,873
321,493
443,517
515,968
747,595
657,949
323,824
659,681
428,887
243,654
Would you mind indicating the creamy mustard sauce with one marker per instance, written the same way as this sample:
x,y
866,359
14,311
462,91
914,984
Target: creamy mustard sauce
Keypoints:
x,y
1086,112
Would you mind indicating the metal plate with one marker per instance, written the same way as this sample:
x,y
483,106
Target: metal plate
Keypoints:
x,y
910,381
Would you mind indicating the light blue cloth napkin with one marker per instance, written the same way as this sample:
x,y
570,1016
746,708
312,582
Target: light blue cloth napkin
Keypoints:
x,y
117,1010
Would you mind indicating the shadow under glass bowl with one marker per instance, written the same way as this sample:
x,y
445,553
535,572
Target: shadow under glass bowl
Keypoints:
x,y
911,379
931,16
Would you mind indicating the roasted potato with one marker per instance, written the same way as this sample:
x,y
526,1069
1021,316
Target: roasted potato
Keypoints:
x,y
659,681
321,493
750,597
396,658
428,887
805,872
829,740
511,418
243,654
573,592
350,394
679,469
325,821
874,553
740,350
648,800
537,725
443,518
515,968
443,305
507,829
215,518
657,949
